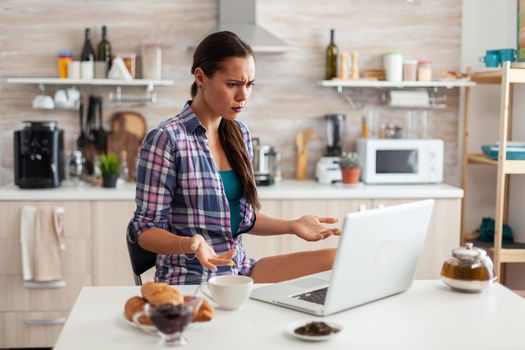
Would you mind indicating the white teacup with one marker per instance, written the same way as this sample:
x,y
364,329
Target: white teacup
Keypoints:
x,y
229,292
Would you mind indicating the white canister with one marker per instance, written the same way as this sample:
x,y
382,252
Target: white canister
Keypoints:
x,y
393,63
87,69
152,61
410,70
73,70
424,70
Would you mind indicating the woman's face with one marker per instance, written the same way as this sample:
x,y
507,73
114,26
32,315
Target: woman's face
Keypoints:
x,y
228,90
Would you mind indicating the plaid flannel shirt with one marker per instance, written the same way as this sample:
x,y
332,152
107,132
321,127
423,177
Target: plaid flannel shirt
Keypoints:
x,y
180,190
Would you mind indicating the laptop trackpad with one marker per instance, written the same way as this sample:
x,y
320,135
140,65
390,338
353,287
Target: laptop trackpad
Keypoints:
x,y
309,283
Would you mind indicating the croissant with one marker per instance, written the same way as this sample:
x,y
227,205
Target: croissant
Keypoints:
x,y
205,312
161,293
134,305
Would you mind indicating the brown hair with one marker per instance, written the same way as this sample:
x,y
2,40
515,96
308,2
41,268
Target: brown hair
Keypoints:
x,y
209,56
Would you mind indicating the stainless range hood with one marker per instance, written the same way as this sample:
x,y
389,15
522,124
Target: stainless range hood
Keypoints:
x,y
240,17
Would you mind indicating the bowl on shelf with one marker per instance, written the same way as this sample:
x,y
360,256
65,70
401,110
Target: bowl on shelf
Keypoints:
x,y
515,150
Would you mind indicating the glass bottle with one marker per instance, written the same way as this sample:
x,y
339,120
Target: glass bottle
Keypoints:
x,y
87,54
104,49
87,58
331,57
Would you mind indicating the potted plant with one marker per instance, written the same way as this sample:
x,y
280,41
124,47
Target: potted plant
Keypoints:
x,y
349,164
110,167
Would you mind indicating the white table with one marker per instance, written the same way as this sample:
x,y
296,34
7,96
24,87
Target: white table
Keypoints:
x,y
428,316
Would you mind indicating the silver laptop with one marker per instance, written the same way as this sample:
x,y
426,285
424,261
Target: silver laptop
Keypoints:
x,y
376,257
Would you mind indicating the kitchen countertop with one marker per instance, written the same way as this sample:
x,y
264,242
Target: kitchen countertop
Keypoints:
x,y
287,189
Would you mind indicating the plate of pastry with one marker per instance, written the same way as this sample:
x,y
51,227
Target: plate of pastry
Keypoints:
x,y
148,328
157,294
313,330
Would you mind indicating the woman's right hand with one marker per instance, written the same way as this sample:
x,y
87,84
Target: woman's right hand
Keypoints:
x,y
207,256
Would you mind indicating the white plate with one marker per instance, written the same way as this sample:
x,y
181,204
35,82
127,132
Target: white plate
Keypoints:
x,y
292,326
146,328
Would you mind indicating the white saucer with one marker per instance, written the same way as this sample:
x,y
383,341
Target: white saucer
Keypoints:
x,y
292,326
146,328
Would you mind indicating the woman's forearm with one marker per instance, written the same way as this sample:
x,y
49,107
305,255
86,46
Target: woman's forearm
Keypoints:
x,y
266,225
161,241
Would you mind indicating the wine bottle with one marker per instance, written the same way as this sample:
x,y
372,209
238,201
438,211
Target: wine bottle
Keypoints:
x,y
87,54
331,57
104,48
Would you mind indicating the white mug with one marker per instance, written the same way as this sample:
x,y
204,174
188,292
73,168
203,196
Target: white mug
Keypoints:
x,y
229,292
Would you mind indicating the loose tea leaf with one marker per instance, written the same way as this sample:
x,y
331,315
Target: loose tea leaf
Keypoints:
x,y
316,329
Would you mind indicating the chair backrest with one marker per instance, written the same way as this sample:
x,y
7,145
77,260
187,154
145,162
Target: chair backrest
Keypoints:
x,y
141,260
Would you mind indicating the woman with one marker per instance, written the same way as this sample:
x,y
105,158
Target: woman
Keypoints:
x,y
196,193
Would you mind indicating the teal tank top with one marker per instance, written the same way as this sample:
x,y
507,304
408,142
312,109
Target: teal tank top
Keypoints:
x,y
233,188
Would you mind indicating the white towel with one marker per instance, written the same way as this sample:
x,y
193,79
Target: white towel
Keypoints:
x,y
27,240
48,230
41,241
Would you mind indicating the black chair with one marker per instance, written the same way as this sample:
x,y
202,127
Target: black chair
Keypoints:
x,y
141,260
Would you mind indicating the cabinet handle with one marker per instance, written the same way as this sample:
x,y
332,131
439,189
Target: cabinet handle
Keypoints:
x,y
362,207
51,321
44,285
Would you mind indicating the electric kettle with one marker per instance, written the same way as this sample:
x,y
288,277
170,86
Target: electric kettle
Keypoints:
x,y
264,158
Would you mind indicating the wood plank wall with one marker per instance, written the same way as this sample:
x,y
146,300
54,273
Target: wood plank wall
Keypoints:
x,y
287,97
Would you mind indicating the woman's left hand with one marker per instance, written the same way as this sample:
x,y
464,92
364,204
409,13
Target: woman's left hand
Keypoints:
x,y
311,228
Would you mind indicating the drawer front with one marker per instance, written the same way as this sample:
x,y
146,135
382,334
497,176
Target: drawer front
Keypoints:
x,y
77,217
15,297
30,329
76,259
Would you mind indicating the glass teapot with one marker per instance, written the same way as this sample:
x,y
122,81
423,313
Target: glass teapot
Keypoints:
x,y
469,269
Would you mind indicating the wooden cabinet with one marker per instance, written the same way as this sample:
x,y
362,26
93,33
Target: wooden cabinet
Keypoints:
x,y
260,246
34,317
111,264
30,329
443,234
96,254
334,208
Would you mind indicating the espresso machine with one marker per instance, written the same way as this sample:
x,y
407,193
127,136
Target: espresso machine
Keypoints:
x,y
327,170
39,155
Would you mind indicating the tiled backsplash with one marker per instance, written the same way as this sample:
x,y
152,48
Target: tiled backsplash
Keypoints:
x,y
287,97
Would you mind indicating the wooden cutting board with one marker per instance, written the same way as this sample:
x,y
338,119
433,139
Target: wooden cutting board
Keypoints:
x,y
131,121
128,131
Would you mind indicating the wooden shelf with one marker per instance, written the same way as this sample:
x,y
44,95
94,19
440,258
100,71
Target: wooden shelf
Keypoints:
x,y
516,75
510,167
504,77
480,158
93,82
488,77
514,167
339,84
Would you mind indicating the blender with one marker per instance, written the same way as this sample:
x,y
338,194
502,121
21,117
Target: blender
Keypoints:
x,y
327,170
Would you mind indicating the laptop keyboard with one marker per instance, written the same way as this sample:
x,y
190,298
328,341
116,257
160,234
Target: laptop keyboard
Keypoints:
x,y
315,296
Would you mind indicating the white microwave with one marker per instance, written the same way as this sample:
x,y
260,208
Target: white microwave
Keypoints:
x,y
396,161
